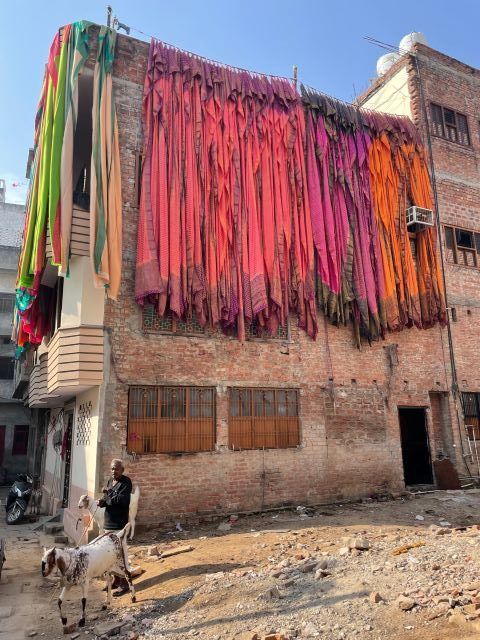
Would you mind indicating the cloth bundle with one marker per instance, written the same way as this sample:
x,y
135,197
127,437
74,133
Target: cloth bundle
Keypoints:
x,y
257,202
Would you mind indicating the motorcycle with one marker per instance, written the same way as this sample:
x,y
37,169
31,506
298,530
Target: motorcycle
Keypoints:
x,y
18,498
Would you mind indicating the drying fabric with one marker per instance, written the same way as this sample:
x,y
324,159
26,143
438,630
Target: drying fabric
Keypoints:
x,y
106,199
50,200
224,225
364,170
49,203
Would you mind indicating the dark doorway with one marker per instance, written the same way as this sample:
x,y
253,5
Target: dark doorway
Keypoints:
x,y
2,443
67,457
417,462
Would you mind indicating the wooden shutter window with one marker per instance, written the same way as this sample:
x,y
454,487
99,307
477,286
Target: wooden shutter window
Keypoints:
x,y
263,418
437,121
171,419
462,246
449,124
462,127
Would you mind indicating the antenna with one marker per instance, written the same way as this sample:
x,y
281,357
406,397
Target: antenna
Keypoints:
x,y
295,75
120,25
109,16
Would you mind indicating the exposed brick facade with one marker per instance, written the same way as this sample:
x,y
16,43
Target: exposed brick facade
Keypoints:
x,y
349,398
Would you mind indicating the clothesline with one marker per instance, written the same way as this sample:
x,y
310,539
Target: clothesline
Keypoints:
x,y
224,65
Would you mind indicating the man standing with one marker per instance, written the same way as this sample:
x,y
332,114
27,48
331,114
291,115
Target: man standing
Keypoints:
x,y
116,500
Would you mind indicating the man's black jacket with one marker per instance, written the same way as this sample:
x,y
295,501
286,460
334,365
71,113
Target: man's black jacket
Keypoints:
x,y
117,503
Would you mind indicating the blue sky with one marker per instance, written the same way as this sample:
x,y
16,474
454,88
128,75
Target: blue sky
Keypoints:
x,y
323,38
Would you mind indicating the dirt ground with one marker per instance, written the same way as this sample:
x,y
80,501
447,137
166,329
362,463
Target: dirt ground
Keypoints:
x,y
287,572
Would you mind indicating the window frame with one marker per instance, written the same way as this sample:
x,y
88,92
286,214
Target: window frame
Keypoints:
x,y
459,250
7,302
162,434
9,363
18,450
471,400
446,127
255,427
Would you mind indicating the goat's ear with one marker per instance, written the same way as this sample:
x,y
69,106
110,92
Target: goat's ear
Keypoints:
x,y
44,550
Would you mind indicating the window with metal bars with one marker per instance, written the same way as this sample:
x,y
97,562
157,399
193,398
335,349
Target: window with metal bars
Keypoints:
x,y
263,418
462,246
153,323
449,124
171,419
7,302
471,413
256,331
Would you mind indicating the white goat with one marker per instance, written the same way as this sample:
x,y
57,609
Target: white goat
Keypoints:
x,y
106,555
98,513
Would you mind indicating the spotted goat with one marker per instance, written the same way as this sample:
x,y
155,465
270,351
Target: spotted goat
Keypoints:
x,y
104,556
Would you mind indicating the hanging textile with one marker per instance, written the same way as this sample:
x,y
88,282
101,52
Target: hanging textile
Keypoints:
x,y
51,179
106,200
364,170
224,224
49,202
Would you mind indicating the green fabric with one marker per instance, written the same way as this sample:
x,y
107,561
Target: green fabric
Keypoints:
x,y
105,57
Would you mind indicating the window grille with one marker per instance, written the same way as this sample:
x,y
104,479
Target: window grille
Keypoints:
x,y
171,419
7,302
84,424
263,418
449,124
153,323
256,331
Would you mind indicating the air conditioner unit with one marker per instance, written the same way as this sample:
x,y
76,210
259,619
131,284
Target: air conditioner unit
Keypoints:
x,y
419,216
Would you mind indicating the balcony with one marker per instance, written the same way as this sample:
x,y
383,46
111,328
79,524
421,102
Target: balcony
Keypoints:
x,y
72,363
80,238
21,376
75,360
37,390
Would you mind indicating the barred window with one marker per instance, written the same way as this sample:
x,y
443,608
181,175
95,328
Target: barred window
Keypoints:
x,y
7,302
263,418
256,331
171,419
449,124
462,246
153,323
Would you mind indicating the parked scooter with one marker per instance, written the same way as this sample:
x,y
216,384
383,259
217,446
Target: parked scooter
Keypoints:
x,y
18,498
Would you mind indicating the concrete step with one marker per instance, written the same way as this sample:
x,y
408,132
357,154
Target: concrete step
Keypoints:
x,y
53,527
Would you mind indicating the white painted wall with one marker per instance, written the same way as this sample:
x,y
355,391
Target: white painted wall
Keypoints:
x,y
82,303
393,96
84,457
53,462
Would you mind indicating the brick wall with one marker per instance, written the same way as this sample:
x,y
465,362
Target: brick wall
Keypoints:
x,y
349,398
